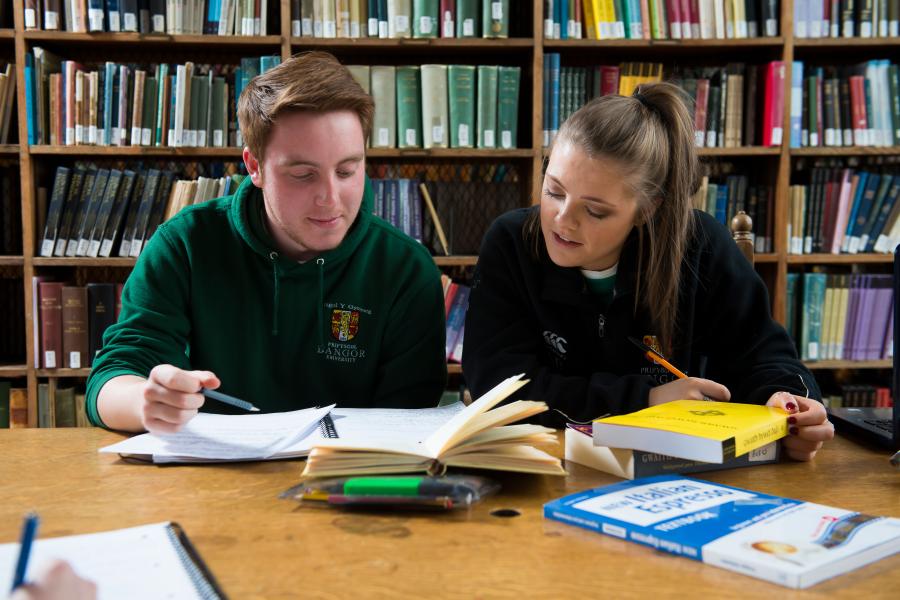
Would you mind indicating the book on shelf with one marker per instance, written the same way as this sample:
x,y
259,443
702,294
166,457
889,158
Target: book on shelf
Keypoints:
x,y
789,542
119,562
844,316
634,464
188,17
74,327
708,19
479,437
694,429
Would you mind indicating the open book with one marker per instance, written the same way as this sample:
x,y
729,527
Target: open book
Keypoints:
x,y
149,561
477,437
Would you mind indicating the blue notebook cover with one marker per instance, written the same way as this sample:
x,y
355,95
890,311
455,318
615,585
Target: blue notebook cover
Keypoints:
x,y
789,542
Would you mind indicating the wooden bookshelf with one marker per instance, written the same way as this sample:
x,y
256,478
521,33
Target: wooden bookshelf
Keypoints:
x,y
831,365
528,52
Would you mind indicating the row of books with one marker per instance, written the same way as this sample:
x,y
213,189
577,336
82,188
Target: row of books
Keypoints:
x,y
845,106
115,104
171,17
861,395
399,202
660,19
846,18
100,212
63,407
10,209
735,105
456,303
842,316
12,334
844,210
421,19
442,106
71,319
724,195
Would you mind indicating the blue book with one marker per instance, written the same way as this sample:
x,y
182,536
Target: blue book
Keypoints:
x,y
860,213
554,95
796,103
456,317
545,94
790,542
854,209
30,117
563,20
722,203
110,73
814,285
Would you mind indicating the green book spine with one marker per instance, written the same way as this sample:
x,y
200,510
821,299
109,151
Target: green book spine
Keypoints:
x,y
219,113
467,18
461,84
487,106
508,105
45,414
435,113
894,84
4,404
65,407
791,305
409,108
148,115
384,92
425,19
495,19
813,299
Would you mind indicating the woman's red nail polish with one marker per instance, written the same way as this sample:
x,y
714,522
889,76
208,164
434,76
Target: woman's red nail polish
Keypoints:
x,y
793,430
790,406
792,420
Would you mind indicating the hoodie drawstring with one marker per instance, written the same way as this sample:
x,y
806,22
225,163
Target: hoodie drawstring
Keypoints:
x,y
321,263
275,276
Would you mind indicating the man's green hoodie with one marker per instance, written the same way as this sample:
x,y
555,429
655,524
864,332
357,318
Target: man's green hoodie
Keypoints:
x,y
359,326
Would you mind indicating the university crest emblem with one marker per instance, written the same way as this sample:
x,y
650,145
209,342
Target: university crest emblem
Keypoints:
x,y
344,324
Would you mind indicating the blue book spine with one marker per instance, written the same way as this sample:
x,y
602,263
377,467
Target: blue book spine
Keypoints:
x,y
415,207
854,210
563,20
554,95
30,116
396,207
722,203
545,94
107,102
796,103
456,317
112,15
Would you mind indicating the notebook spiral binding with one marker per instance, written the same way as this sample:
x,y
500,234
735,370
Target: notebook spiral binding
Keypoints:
x,y
205,589
326,427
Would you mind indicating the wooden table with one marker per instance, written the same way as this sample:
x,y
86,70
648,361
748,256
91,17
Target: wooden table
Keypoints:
x,y
261,547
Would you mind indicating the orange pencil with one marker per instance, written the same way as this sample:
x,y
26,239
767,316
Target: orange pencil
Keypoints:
x,y
654,355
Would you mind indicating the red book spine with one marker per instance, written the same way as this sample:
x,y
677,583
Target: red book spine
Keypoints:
x,y
448,18
773,114
609,80
673,8
700,111
858,109
50,307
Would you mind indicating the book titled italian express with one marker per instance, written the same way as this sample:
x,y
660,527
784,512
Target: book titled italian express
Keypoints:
x,y
712,432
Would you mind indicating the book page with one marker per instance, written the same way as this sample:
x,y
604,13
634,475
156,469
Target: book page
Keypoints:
x,y
387,429
136,563
226,437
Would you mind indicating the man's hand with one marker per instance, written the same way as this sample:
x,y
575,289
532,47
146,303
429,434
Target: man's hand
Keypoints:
x,y
172,397
808,424
689,388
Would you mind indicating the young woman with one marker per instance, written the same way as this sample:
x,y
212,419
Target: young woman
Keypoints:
x,y
615,251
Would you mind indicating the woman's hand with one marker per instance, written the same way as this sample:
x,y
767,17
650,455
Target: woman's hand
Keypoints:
x,y
689,388
808,424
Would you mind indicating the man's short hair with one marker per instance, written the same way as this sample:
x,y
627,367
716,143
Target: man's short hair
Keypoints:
x,y
309,81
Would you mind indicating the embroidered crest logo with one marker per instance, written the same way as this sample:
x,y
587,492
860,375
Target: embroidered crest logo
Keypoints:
x,y
344,324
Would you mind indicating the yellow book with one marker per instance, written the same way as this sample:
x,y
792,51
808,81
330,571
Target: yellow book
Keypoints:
x,y
590,24
694,429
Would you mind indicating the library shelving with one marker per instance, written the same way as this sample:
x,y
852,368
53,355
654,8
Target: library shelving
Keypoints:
x,y
525,47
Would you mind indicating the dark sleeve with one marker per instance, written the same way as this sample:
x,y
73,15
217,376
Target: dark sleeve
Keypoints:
x,y
749,353
153,327
503,338
412,371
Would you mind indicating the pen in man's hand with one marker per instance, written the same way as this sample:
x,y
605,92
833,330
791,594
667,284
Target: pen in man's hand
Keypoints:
x,y
228,399
29,531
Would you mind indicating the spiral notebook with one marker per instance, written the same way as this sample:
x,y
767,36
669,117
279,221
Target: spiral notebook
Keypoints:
x,y
145,562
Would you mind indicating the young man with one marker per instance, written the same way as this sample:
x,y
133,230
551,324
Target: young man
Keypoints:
x,y
288,293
